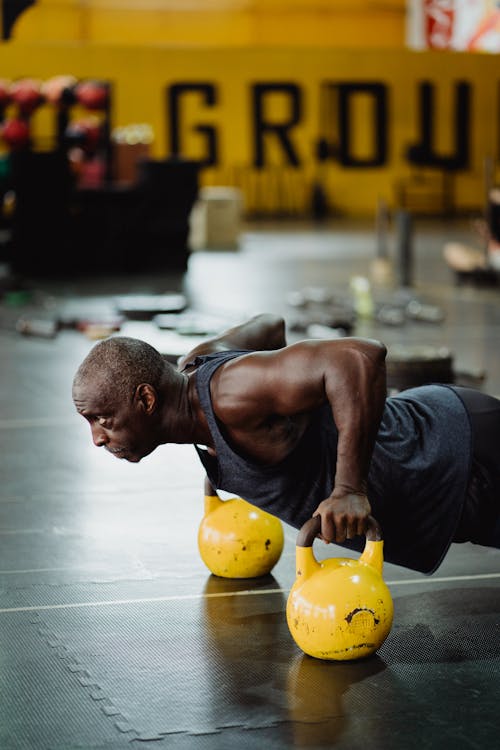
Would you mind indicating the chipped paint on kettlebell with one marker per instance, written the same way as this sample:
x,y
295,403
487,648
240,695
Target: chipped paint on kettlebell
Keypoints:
x,y
341,608
238,540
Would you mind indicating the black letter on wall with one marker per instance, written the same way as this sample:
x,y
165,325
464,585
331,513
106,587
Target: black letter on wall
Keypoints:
x,y
280,130
11,10
423,153
174,96
336,123
379,93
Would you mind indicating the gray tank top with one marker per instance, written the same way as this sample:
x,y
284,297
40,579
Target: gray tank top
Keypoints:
x,y
416,484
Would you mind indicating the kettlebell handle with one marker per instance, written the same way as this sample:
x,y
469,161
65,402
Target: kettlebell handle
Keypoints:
x,y
312,528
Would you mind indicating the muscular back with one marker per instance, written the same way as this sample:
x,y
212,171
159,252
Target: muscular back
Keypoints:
x,y
264,400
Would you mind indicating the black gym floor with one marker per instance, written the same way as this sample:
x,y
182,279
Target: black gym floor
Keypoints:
x,y
113,634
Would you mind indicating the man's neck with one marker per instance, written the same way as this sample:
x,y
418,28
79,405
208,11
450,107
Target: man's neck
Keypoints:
x,y
183,418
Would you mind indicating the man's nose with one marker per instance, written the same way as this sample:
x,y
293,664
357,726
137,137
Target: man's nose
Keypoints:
x,y
99,437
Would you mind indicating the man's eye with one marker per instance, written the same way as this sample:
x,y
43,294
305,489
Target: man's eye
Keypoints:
x,y
102,421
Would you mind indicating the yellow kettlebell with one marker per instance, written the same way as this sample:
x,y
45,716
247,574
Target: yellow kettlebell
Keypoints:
x,y
237,539
340,608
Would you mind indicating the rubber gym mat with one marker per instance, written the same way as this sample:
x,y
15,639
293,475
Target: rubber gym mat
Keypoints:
x,y
208,671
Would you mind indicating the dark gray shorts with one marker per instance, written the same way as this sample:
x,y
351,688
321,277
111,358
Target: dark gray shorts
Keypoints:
x,y
480,521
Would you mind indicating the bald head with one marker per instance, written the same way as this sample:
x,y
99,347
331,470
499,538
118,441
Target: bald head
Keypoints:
x,y
119,364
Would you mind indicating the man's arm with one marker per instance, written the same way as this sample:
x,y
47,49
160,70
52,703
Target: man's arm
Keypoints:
x,y
261,333
357,399
348,373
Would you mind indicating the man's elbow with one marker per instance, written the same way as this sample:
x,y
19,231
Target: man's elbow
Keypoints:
x,y
381,350
278,334
275,330
376,350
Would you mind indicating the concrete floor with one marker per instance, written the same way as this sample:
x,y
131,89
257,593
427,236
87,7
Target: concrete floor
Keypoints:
x,y
114,634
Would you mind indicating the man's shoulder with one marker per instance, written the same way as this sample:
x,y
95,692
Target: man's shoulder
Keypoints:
x,y
213,361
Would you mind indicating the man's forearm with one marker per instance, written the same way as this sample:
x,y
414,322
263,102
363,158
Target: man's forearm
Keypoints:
x,y
357,409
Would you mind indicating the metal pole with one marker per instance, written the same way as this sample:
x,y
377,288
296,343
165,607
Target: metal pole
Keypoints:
x,y
381,228
404,248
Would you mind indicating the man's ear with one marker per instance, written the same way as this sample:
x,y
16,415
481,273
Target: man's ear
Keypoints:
x,y
146,398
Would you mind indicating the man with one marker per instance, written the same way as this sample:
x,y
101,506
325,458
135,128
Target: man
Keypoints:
x,y
466,259
307,429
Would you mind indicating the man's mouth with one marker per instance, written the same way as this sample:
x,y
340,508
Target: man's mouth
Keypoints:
x,y
118,452
124,454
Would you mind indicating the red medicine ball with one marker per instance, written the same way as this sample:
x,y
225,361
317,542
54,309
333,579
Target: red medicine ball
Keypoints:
x,y
92,94
16,133
26,93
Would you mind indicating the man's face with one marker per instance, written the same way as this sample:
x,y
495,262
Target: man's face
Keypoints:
x,y
122,428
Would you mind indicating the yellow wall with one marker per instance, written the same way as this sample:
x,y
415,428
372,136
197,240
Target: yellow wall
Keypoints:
x,y
141,73
352,23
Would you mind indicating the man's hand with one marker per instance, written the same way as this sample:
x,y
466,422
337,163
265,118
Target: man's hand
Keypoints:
x,y
343,516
